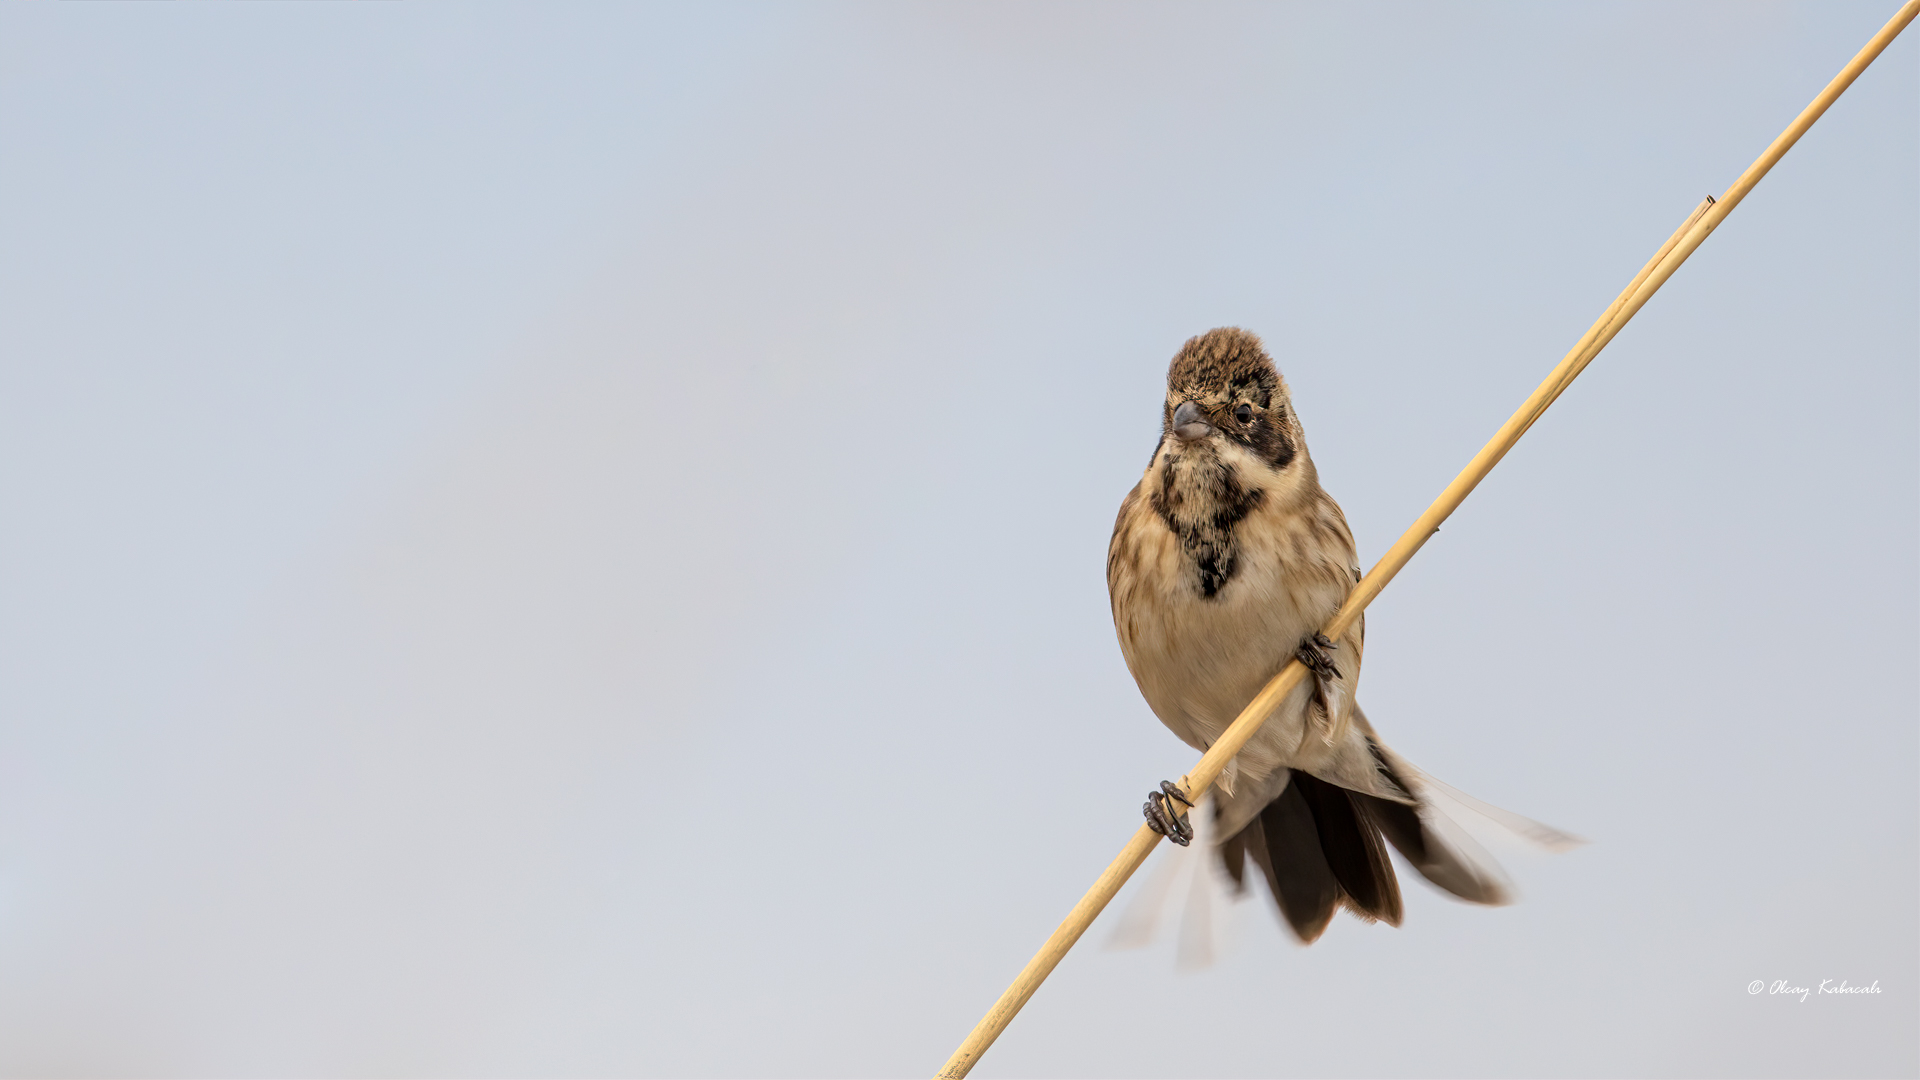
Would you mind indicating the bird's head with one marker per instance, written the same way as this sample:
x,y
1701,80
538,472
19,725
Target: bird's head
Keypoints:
x,y
1225,399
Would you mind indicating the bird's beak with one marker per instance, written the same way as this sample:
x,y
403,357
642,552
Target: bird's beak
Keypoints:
x,y
1189,423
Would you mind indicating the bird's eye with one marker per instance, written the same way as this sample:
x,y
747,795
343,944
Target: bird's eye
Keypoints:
x,y
1244,414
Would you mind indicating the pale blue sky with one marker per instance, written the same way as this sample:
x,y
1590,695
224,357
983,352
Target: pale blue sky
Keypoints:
x,y
569,540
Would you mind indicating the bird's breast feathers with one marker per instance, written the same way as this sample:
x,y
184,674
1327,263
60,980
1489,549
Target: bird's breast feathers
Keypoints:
x,y
1218,569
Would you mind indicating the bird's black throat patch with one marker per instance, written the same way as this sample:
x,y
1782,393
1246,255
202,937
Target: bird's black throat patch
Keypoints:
x,y
1202,512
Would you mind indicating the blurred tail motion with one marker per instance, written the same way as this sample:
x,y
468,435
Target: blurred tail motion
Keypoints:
x,y
1191,871
1321,847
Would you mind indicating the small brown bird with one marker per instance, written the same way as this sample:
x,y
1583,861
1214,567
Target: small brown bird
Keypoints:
x,y
1226,560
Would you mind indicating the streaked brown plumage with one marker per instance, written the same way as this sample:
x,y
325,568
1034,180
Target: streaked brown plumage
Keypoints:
x,y
1226,558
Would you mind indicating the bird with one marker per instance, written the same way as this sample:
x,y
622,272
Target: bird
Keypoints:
x,y
1226,560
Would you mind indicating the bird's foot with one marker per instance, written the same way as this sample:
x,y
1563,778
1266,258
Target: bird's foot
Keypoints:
x,y
1312,653
1163,819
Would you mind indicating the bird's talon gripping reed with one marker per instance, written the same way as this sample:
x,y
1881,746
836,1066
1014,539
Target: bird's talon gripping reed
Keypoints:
x,y
1310,653
1161,817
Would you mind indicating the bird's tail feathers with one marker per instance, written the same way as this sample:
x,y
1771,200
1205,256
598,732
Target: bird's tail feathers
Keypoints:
x,y
1536,833
1442,852
1434,842
1322,847
1319,846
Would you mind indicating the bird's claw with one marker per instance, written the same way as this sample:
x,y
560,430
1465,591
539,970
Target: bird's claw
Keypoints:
x,y
1317,661
1162,818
